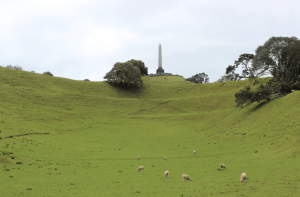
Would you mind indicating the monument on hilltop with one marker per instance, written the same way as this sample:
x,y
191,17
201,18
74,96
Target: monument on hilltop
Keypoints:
x,y
160,70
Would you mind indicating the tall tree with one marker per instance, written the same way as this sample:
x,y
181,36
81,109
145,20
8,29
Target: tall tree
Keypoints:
x,y
289,67
278,56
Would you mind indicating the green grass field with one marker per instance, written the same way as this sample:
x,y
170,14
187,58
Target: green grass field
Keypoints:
x,y
96,131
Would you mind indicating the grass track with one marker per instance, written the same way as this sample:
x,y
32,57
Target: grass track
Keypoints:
x,y
97,130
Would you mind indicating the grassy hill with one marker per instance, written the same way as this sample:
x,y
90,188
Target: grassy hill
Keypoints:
x,y
96,131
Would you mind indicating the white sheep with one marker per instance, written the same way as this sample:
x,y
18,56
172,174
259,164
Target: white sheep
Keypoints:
x,y
165,159
243,177
293,90
141,168
186,177
138,157
166,174
222,166
194,151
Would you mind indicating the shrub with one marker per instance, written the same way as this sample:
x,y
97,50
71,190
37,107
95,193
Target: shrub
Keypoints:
x,y
124,74
273,89
48,73
199,78
140,65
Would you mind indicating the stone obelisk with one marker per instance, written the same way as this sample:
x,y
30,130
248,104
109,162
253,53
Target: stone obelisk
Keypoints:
x,y
160,70
159,56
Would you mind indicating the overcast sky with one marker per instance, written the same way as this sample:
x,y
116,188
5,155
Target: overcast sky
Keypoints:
x,y
83,39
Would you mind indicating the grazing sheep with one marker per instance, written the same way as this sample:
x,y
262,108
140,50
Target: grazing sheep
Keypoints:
x,y
166,174
194,151
243,177
293,90
165,159
186,177
141,168
138,157
222,166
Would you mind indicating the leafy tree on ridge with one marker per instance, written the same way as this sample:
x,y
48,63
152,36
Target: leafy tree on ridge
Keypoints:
x,y
124,74
199,78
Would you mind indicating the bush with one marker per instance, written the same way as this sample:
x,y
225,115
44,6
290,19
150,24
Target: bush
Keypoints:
x,y
199,78
124,74
86,80
48,73
273,89
140,65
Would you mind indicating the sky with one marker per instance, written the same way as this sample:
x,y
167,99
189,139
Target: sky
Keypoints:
x,y
83,39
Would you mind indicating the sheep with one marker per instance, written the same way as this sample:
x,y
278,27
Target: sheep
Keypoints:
x,y
166,174
165,159
293,90
194,151
222,166
186,177
243,177
138,157
141,168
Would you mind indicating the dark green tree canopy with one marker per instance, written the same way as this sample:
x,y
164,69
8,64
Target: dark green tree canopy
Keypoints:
x,y
279,56
140,65
271,90
199,78
124,74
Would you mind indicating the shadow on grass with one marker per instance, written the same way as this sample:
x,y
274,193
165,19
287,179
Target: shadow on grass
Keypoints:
x,y
255,108
129,88
260,105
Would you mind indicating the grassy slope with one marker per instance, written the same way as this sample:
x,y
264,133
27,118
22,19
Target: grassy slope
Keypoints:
x,y
97,130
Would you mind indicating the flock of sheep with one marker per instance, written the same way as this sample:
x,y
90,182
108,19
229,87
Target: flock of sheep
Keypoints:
x,y
187,177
